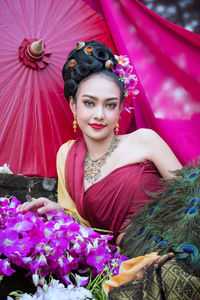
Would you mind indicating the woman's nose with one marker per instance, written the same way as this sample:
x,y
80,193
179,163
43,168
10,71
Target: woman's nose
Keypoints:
x,y
99,113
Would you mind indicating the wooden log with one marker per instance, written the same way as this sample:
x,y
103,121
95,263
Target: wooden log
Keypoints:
x,y
25,188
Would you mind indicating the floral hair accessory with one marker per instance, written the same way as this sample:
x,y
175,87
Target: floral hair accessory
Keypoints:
x,y
125,73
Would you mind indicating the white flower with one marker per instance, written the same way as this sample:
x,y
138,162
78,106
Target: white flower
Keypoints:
x,y
33,218
47,249
56,226
47,232
89,247
60,261
70,258
96,243
27,297
35,278
42,259
84,231
56,290
80,279
45,287
76,245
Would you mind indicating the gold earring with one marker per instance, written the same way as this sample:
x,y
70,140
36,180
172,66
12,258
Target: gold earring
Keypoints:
x,y
117,128
75,123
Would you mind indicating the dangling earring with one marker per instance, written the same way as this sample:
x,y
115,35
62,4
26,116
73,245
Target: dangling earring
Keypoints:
x,y
117,128
75,123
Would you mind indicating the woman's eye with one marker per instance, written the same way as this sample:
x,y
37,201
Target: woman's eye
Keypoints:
x,y
111,105
88,103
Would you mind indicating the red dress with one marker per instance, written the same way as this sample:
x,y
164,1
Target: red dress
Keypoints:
x,y
109,203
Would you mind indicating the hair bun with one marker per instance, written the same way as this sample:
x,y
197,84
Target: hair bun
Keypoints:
x,y
100,54
88,59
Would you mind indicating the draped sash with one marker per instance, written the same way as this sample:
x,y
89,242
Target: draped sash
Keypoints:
x,y
74,173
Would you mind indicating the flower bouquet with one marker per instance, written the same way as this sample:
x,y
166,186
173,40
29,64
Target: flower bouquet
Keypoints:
x,y
60,256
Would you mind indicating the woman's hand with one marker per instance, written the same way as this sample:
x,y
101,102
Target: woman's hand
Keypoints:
x,y
40,206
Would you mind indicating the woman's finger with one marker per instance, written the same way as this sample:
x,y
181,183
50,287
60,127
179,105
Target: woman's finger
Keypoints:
x,y
49,207
29,206
23,206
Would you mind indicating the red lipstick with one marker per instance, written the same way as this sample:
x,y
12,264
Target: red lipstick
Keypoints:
x,y
97,126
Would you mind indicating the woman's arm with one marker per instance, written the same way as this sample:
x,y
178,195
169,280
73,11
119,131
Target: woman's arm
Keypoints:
x,y
159,153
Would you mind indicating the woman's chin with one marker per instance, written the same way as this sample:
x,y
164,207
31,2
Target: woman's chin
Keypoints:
x,y
98,134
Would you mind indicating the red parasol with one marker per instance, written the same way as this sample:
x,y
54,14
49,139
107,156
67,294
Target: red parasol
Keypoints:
x,y
35,119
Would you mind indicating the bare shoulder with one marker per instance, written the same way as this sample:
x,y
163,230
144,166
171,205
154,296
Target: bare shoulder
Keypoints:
x,y
145,135
135,145
142,137
156,151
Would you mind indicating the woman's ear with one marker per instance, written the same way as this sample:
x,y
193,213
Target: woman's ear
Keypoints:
x,y
72,104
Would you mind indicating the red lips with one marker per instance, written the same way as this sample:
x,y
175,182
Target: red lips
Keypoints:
x,y
97,126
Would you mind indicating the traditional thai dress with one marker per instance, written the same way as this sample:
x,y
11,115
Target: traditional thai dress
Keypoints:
x,y
110,202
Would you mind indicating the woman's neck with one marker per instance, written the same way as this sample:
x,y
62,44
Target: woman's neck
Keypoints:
x,y
97,148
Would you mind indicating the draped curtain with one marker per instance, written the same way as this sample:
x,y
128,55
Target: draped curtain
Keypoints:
x,y
166,59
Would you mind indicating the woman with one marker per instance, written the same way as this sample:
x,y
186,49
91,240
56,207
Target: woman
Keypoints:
x,y
102,177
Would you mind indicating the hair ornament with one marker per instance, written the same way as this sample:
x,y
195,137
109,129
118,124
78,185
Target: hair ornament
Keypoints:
x,y
72,63
126,75
88,50
79,45
109,64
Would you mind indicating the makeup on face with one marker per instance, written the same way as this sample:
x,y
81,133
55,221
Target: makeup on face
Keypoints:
x,y
97,126
97,106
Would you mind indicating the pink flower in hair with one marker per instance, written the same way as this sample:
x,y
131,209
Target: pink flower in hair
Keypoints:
x,y
125,72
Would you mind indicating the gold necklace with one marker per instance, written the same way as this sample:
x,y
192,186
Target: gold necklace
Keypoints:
x,y
93,167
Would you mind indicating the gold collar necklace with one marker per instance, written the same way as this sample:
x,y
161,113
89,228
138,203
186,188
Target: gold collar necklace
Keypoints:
x,y
93,167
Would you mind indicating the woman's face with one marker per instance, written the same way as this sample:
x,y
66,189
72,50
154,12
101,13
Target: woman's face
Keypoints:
x,y
97,106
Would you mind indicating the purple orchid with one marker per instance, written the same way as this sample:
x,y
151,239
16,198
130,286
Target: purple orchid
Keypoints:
x,y
51,244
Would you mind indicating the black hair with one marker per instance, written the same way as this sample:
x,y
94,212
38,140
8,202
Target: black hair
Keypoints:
x,y
90,59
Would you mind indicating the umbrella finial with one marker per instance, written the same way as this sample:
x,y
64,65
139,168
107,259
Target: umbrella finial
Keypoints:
x,y
35,51
34,54
37,47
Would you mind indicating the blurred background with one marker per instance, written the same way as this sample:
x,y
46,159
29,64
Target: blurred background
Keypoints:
x,y
185,13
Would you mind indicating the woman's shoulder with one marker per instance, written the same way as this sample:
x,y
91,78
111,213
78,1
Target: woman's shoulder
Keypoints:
x,y
140,144
143,135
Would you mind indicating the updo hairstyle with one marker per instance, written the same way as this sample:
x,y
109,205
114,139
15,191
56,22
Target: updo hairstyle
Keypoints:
x,y
85,60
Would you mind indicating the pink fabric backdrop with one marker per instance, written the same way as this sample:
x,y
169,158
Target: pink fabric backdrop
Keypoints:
x,y
166,59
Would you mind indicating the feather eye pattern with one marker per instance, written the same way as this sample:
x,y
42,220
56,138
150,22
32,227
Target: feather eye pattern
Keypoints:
x,y
170,221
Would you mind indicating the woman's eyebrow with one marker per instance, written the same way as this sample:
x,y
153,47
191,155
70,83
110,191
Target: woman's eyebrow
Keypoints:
x,y
111,98
95,98
89,96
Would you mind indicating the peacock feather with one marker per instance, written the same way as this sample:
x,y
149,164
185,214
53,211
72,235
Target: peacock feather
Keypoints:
x,y
170,221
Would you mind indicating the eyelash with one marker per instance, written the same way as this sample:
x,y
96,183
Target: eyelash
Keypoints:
x,y
89,103
111,105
